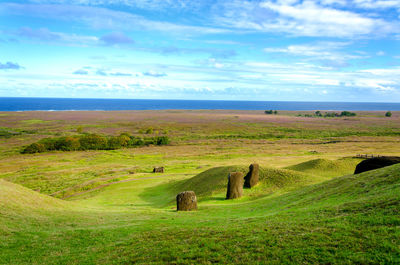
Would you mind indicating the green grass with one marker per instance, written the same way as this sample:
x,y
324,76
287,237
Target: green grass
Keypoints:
x,y
326,167
307,209
349,219
211,184
10,132
34,122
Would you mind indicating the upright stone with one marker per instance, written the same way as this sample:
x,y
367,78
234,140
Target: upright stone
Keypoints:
x,y
251,179
235,185
186,201
158,170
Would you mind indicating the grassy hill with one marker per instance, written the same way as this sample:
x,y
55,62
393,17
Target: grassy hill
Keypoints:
x,y
326,167
349,219
211,184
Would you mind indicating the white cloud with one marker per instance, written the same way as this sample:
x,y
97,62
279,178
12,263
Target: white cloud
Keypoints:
x,y
154,5
329,53
153,73
333,2
44,34
319,49
235,78
80,72
380,4
384,72
306,18
377,84
376,80
103,18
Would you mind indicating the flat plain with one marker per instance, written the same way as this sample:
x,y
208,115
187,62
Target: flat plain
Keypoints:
x,y
107,207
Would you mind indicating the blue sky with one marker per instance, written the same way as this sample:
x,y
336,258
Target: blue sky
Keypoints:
x,y
325,50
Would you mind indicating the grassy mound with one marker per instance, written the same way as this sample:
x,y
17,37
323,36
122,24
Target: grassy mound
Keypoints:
x,y
214,181
16,197
326,167
352,219
20,205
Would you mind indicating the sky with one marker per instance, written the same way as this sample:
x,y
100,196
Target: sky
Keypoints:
x,y
285,50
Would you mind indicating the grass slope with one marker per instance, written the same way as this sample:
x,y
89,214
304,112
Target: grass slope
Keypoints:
x,y
347,220
16,197
17,204
212,183
350,219
326,167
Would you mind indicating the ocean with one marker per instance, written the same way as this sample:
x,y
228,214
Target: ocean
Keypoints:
x,y
64,104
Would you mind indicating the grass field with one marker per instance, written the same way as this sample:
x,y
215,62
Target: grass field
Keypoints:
x,y
106,207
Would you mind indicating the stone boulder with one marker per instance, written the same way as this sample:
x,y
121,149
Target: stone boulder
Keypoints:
x,y
375,163
251,179
158,170
186,201
235,185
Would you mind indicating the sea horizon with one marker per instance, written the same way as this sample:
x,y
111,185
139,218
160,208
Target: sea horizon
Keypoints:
x,y
19,104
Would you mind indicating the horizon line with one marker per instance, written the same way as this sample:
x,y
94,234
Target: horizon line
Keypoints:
x,y
158,99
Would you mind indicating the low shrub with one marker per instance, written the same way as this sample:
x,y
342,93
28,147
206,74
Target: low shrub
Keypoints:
x,y
92,142
34,148
68,144
162,140
136,141
271,112
347,114
124,140
329,114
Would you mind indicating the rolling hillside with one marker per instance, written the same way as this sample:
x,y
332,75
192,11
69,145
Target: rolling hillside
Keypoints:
x,y
349,219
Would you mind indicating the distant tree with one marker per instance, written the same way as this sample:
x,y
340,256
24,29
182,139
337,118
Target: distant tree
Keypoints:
x,y
275,112
388,114
269,111
347,114
318,113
